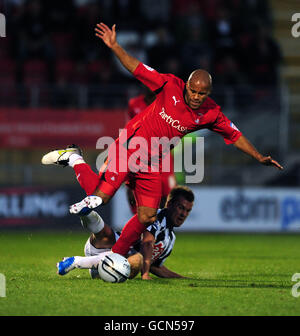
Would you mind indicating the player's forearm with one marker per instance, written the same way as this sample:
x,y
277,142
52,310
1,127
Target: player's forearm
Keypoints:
x,y
146,268
128,61
245,145
164,272
147,249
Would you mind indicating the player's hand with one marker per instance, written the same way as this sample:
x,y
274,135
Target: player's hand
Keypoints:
x,y
107,35
146,276
268,161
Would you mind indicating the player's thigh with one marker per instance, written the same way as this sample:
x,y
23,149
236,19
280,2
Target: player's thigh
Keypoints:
x,y
147,189
146,215
147,192
113,172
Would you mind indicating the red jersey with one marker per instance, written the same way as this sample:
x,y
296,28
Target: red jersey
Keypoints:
x,y
170,116
136,105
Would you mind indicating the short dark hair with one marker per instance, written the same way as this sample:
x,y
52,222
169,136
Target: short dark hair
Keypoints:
x,y
180,191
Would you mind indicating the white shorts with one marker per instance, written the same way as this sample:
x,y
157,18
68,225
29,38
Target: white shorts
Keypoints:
x,y
90,250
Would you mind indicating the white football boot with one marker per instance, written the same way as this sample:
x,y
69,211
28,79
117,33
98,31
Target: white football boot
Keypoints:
x,y
61,156
85,206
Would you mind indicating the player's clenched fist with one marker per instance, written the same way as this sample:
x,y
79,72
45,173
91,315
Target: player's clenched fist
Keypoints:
x,y
106,34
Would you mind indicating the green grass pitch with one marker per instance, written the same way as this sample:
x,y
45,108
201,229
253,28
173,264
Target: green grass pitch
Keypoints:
x,y
230,274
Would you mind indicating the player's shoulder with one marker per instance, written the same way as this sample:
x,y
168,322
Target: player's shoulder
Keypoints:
x,y
172,79
210,107
159,223
161,215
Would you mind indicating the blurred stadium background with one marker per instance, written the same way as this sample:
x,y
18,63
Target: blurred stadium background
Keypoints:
x,y
59,84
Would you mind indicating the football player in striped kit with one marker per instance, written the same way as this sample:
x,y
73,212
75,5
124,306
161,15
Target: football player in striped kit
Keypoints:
x,y
149,254
159,238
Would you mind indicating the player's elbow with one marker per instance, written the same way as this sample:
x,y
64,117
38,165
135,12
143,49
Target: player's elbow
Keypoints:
x,y
147,245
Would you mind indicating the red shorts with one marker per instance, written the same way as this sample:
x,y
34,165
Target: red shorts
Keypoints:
x,y
147,186
168,178
168,182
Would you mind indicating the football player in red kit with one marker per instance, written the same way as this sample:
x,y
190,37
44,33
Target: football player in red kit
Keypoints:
x,y
135,106
179,108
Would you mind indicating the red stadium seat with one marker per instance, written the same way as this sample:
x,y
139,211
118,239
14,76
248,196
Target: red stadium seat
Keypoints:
x,y
35,73
81,10
95,66
79,75
8,92
64,70
7,67
7,82
5,48
62,43
70,71
96,69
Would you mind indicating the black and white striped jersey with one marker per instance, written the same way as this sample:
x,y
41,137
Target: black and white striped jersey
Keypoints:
x,y
165,237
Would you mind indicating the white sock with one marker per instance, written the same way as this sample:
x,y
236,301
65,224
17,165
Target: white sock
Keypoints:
x,y
92,222
87,262
90,262
75,159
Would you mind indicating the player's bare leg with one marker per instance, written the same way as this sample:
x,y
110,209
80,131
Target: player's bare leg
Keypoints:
x,y
134,228
91,262
93,223
146,215
105,197
103,238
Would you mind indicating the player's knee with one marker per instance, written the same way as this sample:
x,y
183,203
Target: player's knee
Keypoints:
x,y
146,218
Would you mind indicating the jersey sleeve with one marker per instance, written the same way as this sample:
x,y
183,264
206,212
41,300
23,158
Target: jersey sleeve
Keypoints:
x,y
150,77
153,228
226,128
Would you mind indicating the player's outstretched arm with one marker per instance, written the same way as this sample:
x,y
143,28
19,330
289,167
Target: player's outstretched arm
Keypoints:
x,y
109,37
245,145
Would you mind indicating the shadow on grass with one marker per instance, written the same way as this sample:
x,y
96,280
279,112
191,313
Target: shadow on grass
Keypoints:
x,y
215,283
191,282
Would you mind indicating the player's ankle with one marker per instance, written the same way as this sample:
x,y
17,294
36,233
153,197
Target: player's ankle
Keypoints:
x,y
75,159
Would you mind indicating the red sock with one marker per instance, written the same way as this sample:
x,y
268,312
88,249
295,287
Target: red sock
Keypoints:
x,y
130,234
87,179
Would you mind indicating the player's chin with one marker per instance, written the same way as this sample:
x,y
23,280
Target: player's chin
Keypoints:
x,y
179,222
194,106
